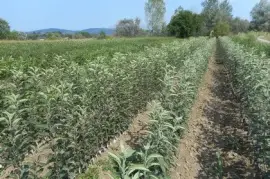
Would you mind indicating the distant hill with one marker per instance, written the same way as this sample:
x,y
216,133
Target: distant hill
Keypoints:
x,y
43,31
108,31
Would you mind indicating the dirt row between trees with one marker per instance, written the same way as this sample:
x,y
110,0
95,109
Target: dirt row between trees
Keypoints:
x,y
216,142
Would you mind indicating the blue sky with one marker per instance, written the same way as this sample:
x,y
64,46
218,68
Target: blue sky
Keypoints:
x,y
27,15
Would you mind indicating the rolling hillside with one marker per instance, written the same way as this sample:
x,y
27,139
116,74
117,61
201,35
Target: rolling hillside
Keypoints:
x,y
108,31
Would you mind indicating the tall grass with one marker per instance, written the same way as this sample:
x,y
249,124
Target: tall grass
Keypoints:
x,y
251,42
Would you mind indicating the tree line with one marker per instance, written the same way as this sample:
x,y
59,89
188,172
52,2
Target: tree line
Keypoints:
x,y
60,35
216,19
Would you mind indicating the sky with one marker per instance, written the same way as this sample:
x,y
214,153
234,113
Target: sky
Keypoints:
x,y
28,15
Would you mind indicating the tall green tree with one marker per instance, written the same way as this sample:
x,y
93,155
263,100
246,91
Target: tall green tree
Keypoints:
x,y
239,25
261,16
209,13
225,11
16,35
215,11
102,35
86,34
4,29
13,35
32,36
185,24
155,11
222,29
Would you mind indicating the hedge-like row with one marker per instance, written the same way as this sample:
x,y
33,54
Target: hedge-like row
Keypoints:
x,y
251,80
168,117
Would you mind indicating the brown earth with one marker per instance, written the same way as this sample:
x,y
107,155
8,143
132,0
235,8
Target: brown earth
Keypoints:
x,y
215,127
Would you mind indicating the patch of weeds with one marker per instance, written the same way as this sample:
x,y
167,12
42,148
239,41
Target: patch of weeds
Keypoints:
x,y
232,143
106,165
97,171
91,173
219,169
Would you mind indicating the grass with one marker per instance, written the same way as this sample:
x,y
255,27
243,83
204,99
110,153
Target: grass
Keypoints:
x,y
250,41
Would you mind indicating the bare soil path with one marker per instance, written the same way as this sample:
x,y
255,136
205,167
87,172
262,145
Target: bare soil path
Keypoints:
x,y
215,127
261,39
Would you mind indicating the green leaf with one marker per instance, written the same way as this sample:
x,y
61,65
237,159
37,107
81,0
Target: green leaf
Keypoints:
x,y
16,121
154,156
153,176
137,167
3,119
116,159
153,164
136,176
128,153
9,115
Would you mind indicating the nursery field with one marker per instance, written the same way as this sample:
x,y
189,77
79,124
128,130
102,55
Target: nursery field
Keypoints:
x,y
134,109
44,53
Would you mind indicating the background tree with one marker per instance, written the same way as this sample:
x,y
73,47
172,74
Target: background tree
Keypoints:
x,y
155,11
261,16
164,30
13,35
224,12
22,35
79,35
102,35
215,11
239,25
4,29
53,35
185,24
69,36
128,27
86,34
33,36
180,8
221,29
209,13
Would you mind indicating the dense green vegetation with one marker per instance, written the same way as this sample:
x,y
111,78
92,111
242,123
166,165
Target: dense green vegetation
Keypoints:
x,y
185,24
73,109
250,73
42,54
251,42
70,98
169,113
63,102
